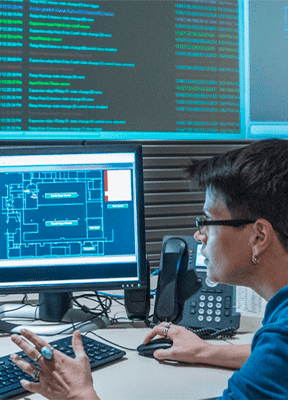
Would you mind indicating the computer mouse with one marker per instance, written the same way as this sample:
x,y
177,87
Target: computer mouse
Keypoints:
x,y
148,349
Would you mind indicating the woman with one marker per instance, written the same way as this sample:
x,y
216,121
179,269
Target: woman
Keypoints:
x,y
244,233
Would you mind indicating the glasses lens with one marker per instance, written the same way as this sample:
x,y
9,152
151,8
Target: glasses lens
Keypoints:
x,y
201,223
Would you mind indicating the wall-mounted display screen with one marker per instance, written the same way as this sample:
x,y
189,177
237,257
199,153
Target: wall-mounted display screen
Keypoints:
x,y
138,69
132,69
263,62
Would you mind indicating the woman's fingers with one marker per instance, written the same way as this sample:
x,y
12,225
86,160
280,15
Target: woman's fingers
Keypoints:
x,y
31,351
78,345
35,352
157,330
24,365
33,338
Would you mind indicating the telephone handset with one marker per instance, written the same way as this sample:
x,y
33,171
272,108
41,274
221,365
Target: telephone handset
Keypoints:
x,y
168,307
184,294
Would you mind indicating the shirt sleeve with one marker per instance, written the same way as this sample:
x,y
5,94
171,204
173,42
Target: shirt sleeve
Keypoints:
x,y
264,375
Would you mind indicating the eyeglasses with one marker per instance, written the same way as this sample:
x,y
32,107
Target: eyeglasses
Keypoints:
x,y
203,222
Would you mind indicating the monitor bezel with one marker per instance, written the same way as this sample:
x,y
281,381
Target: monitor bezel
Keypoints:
x,y
142,281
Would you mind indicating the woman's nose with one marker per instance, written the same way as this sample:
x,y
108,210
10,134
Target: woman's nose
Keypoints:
x,y
200,237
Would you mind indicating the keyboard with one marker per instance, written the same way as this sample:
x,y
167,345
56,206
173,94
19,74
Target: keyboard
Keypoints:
x,y
10,375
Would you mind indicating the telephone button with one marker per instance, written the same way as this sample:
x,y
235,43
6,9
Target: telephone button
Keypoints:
x,y
217,319
193,303
209,311
204,290
210,305
210,298
210,283
201,304
201,311
218,305
209,319
218,312
227,313
218,298
218,291
227,302
200,318
193,311
202,297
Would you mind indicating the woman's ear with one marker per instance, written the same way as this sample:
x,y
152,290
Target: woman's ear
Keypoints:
x,y
263,237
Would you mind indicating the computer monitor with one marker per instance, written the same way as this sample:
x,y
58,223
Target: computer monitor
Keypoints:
x,y
72,219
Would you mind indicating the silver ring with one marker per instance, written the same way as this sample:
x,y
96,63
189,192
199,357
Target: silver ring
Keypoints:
x,y
167,326
35,374
37,358
47,352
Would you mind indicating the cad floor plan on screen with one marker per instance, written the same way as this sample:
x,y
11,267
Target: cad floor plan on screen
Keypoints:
x,y
66,211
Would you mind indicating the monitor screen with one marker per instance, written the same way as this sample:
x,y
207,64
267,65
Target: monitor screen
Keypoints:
x,y
263,60
117,69
200,259
72,218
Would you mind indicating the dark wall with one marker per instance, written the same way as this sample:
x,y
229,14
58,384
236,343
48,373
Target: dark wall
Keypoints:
x,y
171,203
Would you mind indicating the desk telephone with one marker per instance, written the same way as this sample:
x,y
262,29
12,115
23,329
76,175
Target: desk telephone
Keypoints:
x,y
185,295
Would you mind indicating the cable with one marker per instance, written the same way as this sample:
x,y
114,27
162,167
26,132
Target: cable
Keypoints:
x,y
19,307
102,305
105,308
213,333
114,344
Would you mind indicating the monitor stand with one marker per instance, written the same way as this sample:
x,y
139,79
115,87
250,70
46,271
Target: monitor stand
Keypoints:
x,y
54,315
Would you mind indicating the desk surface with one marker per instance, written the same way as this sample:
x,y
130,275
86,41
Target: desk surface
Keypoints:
x,y
136,377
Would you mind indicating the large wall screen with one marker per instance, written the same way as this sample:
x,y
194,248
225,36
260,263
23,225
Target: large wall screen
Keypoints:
x,y
264,49
133,69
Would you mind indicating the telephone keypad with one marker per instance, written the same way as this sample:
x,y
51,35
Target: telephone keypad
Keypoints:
x,y
209,307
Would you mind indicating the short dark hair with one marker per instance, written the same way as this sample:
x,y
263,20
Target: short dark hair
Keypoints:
x,y
253,180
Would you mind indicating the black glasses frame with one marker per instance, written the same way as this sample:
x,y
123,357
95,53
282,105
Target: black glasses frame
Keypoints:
x,y
204,221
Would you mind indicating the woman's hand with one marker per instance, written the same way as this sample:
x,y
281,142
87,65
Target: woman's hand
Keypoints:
x,y
188,347
62,377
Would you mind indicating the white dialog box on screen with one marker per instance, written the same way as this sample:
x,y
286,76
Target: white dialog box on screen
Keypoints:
x,y
118,185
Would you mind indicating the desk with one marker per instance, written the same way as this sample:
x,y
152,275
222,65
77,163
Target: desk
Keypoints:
x,y
136,377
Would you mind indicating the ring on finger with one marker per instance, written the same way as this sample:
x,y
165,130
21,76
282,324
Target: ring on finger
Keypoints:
x,y
167,326
35,374
46,352
37,358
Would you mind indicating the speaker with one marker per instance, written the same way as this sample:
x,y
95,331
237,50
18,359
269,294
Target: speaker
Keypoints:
x,y
137,303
